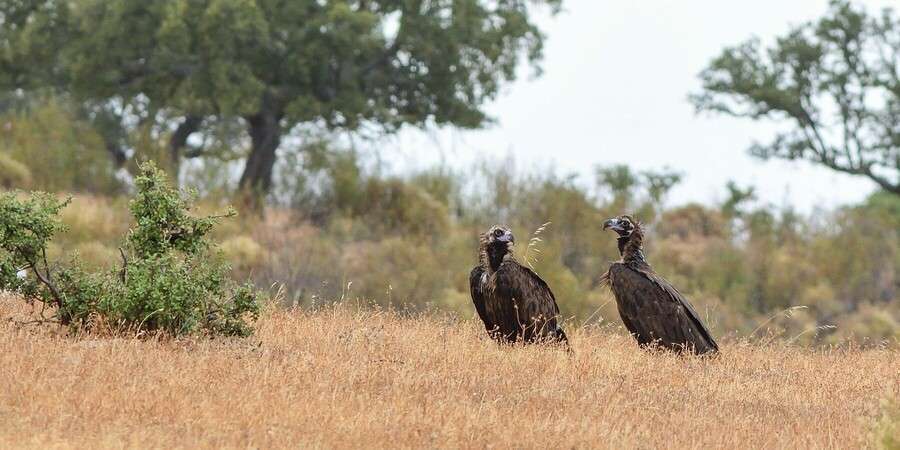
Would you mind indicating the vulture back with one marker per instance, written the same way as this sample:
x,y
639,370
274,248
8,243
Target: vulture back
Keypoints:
x,y
522,305
652,309
655,312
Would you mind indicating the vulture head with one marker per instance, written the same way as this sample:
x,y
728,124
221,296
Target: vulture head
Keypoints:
x,y
496,244
628,230
622,225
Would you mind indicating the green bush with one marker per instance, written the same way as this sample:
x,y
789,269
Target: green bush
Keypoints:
x,y
13,173
26,227
59,152
868,322
169,280
393,272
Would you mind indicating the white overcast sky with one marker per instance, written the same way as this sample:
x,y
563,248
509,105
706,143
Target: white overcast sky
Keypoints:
x,y
614,89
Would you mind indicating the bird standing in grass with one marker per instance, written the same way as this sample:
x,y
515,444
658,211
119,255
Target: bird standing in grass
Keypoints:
x,y
512,301
652,309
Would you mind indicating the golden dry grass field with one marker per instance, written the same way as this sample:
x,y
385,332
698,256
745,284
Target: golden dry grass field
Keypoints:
x,y
342,378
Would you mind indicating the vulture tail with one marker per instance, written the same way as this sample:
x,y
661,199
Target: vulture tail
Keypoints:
x,y
560,336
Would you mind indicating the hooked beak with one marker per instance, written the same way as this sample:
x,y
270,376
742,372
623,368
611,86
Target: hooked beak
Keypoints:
x,y
507,237
615,224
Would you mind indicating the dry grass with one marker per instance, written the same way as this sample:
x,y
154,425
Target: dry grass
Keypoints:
x,y
342,378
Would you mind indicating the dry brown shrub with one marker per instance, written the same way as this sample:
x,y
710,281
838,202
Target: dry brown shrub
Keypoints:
x,y
243,252
870,323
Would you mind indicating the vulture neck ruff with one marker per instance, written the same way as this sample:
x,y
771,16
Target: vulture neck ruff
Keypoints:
x,y
630,247
494,253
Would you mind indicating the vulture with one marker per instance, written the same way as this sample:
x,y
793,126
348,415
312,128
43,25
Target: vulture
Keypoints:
x,y
653,311
512,301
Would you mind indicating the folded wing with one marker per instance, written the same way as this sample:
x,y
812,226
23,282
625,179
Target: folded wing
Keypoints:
x,y
526,304
477,286
654,311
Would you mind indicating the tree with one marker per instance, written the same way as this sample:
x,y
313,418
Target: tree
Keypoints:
x,y
733,206
620,180
659,183
341,64
837,81
623,183
58,151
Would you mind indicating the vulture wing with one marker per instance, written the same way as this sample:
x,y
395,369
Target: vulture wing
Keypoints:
x,y
477,283
529,302
654,311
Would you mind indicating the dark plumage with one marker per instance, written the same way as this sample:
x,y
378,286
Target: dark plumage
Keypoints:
x,y
476,288
512,301
651,308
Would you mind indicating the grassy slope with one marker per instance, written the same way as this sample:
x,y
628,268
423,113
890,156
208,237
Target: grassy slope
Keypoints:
x,y
342,378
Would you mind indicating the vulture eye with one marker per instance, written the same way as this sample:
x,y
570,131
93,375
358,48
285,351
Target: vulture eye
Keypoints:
x,y
498,232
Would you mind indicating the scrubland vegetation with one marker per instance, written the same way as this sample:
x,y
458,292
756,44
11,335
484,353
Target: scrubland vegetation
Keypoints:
x,y
400,361
333,225
337,228
120,301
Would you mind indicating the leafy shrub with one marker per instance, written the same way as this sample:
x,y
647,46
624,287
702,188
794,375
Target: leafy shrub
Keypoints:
x,y
13,173
60,152
399,207
395,271
869,322
26,227
328,185
169,280
245,251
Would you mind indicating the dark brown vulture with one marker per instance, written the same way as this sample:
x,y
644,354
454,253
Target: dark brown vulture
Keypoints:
x,y
651,308
512,301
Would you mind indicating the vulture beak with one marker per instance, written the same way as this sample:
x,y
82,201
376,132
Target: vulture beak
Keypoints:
x,y
507,237
615,224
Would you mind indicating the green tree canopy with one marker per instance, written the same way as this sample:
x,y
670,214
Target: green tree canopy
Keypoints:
x,y
272,64
836,81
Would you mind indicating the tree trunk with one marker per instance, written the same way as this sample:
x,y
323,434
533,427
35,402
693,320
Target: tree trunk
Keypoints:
x,y
178,141
116,152
265,136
